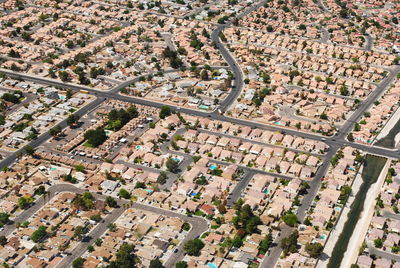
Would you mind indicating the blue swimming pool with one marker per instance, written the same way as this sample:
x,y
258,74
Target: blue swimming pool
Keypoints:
x,y
212,167
212,265
204,107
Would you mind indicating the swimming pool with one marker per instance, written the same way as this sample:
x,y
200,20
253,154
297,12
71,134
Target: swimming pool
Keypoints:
x,y
212,265
139,147
338,209
204,107
322,237
212,167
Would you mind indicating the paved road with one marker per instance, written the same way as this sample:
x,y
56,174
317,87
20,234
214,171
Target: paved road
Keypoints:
x,y
91,237
199,225
306,201
334,142
255,141
380,253
369,41
237,191
238,75
330,141
368,102
45,136
390,215
185,162
324,35
26,214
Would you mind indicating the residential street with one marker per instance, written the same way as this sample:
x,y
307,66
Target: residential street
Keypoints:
x,y
199,225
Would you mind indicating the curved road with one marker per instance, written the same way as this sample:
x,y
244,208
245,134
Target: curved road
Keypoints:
x,y
199,225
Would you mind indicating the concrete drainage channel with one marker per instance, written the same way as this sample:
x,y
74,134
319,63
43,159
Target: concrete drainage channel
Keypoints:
x,y
372,169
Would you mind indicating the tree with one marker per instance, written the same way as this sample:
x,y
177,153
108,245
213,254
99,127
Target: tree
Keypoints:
x,y
324,116
3,240
11,97
181,264
245,221
350,137
237,242
193,247
119,118
80,168
4,218
55,131
140,184
110,201
39,234
95,137
204,75
96,217
133,112
378,243
314,249
156,263
172,165
344,91
290,219
64,76
78,262
391,172
84,201
265,243
125,258
186,226
29,150
124,194
344,13
112,227
72,120
69,178
162,178
165,112
289,244
78,232
24,202
69,93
